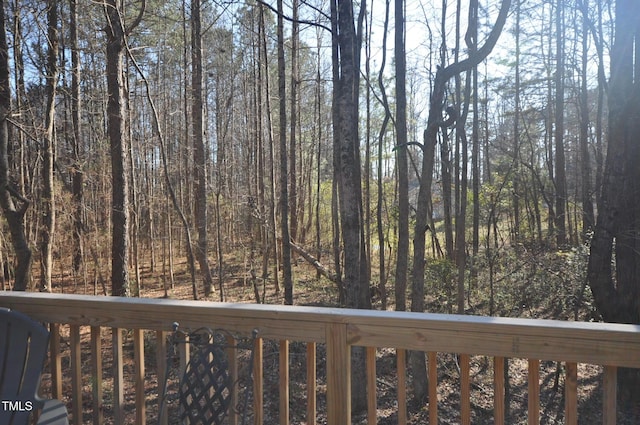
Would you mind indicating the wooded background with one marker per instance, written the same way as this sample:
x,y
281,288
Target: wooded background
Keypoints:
x,y
383,143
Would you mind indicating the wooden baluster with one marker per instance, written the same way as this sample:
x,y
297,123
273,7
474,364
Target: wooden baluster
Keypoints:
x,y
433,387
311,383
401,364
338,375
465,390
232,355
56,361
610,389
96,374
534,392
571,394
258,382
118,376
138,356
283,376
372,408
161,369
498,390
76,373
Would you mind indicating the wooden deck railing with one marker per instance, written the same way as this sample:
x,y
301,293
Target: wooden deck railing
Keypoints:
x,y
609,345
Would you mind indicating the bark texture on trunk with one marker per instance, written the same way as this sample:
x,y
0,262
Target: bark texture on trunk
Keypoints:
x,y
117,139
48,196
13,205
613,271
199,153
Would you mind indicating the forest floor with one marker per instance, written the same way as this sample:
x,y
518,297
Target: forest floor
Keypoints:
x,y
534,296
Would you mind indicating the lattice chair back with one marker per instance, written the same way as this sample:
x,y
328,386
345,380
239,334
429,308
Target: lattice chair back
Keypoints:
x,y
213,387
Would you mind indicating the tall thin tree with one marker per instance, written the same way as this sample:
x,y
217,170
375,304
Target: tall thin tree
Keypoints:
x,y
613,271
293,109
200,159
588,214
77,173
402,261
284,196
48,196
116,130
560,177
14,205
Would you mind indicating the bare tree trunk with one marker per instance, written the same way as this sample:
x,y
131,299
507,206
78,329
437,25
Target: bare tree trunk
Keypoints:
x,y
134,211
77,176
367,138
600,109
48,197
260,131
199,153
616,291
475,151
560,180
346,41
14,205
271,214
319,134
402,261
348,148
516,133
293,177
461,218
588,214
445,170
400,290
20,95
116,128
284,197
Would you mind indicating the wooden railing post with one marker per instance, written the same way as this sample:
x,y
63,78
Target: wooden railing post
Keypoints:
x,y
138,354
401,370
118,376
76,374
56,361
571,393
96,374
283,379
372,401
465,390
433,387
610,387
338,375
498,390
533,398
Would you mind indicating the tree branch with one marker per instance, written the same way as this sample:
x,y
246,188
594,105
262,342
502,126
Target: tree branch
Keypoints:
x,y
480,55
289,19
138,19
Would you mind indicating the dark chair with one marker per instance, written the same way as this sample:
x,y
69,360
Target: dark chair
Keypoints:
x,y
23,349
217,381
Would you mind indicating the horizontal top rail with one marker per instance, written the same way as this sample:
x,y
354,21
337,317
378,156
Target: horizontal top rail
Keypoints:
x,y
581,342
